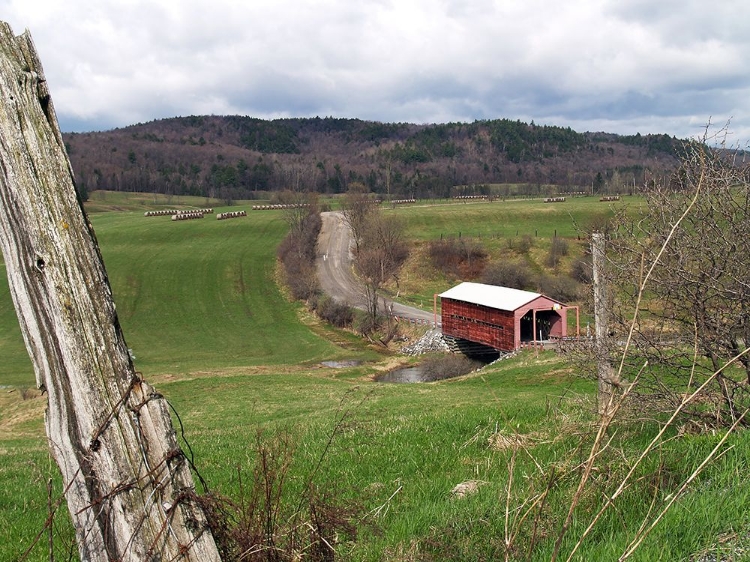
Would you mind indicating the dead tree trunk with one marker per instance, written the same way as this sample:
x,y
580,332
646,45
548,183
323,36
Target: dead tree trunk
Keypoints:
x,y
128,486
605,372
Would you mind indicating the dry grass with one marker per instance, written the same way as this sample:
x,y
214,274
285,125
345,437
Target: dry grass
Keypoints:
x,y
501,441
404,552
22,413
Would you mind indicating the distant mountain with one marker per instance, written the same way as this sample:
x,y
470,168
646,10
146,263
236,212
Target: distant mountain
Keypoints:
x,y
237,157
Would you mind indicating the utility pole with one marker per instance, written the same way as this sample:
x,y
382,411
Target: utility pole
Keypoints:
x,y
127,483
605,372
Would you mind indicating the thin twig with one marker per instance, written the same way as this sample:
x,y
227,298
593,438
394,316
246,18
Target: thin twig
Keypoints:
x,y
648,449
511,470
609,412
386,505
638,539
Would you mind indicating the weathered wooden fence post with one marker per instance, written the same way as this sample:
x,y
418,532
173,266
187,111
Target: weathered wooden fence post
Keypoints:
x,y
128,486
605,372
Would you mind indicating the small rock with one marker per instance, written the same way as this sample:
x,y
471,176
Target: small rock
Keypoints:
x,y
431,342
465,488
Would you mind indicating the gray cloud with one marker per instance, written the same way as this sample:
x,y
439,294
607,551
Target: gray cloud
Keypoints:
x,y
626,67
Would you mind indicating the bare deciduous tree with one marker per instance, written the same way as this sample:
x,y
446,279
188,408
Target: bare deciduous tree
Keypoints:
x,y
379,257
297,251
695,233
357,207
297,206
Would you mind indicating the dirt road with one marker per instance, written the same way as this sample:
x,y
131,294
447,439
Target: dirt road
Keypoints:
x,y
335,273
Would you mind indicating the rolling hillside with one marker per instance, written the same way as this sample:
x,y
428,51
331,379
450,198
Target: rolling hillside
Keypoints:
x,y
196,295
237,157
209,326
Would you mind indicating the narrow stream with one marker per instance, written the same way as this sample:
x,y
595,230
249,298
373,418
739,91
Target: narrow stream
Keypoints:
x,y
407,374
448,367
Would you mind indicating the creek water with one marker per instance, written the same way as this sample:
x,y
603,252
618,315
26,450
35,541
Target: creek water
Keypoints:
x,y
431,371
407,374
341,364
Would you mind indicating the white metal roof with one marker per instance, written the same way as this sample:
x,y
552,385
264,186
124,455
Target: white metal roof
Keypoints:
x,y
502,298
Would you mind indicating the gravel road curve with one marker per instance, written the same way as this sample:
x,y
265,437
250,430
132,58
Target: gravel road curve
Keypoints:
x,y
335,273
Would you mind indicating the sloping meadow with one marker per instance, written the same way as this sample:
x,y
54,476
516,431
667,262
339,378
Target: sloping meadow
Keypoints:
x,y
482,467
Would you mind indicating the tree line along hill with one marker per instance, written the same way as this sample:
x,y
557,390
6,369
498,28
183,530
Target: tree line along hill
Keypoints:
x,y
239,157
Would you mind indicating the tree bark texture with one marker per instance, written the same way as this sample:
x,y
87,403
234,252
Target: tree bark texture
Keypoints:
x,y
127,483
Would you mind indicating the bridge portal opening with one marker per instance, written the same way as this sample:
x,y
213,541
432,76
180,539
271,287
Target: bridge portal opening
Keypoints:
x,y
548,323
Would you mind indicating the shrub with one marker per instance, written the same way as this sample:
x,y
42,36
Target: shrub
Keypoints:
x,y
475,259
458,257
336,313
299,274
582,270
522,246
515,274
557,250
265,524
445,366
297,255
365,324
560,287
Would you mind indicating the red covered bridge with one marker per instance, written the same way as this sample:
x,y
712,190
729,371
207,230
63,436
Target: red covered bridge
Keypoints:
x,y
501,317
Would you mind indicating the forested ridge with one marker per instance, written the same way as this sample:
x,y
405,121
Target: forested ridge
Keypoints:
x,y
239,157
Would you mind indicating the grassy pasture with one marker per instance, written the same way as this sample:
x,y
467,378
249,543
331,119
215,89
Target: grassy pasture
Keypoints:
x,y
508,219
209,327
401,449
499,227
190,295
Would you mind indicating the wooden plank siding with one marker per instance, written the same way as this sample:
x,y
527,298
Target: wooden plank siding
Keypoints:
x,y
501,317
478,323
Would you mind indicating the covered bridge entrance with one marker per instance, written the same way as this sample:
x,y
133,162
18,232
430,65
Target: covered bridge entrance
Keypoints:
x,y
501,317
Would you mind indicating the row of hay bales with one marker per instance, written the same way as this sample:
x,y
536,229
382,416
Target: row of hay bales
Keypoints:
x,y
219,216
558,199
173,212
186,216
562,199
278,206
183,215
231,215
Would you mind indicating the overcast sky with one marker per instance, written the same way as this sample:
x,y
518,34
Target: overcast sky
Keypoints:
x,y
622,66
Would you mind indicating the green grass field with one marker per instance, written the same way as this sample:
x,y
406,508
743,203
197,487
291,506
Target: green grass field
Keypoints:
x,y
210,328
191,295
498,227
511,218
